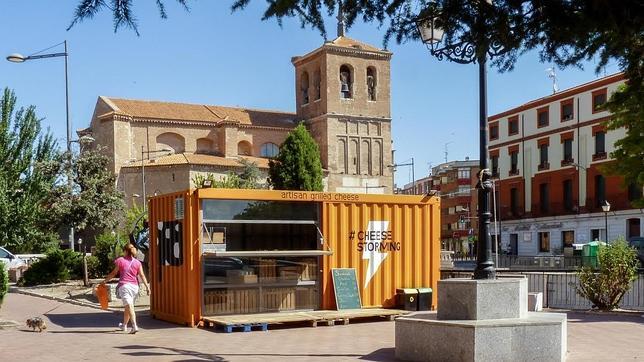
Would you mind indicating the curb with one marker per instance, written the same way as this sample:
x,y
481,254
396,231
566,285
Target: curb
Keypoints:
x,y
598,313
64,300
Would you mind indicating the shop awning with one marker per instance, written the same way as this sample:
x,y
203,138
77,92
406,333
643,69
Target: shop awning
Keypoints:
x,y
269,253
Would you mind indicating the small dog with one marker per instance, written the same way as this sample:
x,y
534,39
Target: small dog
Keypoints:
x,y
36,322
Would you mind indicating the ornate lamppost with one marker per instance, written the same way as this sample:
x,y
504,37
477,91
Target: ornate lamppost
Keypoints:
x,y
467,52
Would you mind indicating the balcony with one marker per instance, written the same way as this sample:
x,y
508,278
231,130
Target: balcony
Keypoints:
x,y
544,166
567,162
513,172
553,209
600,156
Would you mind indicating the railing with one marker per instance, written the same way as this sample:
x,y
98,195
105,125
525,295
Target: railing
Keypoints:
x,y
522,262
560,289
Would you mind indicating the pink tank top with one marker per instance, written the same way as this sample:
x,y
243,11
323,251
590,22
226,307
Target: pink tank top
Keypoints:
x,y
128,270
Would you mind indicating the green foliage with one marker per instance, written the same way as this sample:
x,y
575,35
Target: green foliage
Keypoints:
x,y
93,267
26,154
4,283
108,248
617,270
248,178
50,269
298,166
628,113
94,199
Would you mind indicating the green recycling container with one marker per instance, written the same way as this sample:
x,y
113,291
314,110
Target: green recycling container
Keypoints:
x,y
589,254
424,298
407,298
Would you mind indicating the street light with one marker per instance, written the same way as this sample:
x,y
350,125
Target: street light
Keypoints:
x,y
606,209
413,177
19,58
143,153
467,52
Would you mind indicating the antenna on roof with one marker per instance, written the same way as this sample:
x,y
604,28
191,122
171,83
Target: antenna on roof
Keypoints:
x,y
552,75
340,20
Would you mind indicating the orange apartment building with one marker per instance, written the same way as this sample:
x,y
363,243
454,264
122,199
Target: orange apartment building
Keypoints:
x,y
546,156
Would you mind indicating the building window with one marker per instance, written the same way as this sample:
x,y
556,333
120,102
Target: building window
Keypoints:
x,y
495,165
514,163
371,83
494,131
544,242
544,198
543,117
567,110
567,195
600,190
567,152
599,99
269,150
304,87
464,174
543,157
596,234
513,125
568,238
634,192
346,82
463,190
514,201
600,145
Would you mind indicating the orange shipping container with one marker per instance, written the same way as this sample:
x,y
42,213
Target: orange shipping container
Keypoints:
x,y
392,241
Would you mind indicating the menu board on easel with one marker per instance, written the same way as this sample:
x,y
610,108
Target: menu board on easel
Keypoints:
x,y
345,288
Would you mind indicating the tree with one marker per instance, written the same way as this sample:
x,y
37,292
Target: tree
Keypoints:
x,y
297,166
26,153
617,270
564,32
93,199
248,178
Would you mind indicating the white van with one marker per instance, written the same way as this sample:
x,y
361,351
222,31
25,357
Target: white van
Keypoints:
x,y
9,260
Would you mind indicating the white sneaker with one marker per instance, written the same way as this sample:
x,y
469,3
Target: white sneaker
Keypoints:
x,y
134,330
122,327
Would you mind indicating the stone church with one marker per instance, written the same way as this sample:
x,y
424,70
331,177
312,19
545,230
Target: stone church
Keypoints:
x,y
342,93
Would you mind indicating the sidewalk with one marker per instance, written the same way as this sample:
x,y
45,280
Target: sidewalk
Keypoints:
x,y
81,333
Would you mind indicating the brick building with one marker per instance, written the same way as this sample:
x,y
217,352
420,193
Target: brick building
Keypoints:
x,y
342,93
547,156
455,183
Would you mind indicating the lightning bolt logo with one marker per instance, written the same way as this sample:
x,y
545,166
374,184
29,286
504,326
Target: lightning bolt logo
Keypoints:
x,y
374,256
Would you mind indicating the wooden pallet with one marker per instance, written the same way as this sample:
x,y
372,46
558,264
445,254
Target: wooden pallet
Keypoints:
x,y
312,318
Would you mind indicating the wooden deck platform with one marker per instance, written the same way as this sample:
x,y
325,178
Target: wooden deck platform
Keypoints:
x,y
313,318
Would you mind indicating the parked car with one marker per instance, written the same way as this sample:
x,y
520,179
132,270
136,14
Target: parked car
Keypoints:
x,y
9,260
638,244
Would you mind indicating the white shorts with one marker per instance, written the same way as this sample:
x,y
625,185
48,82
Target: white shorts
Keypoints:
x,y
128,292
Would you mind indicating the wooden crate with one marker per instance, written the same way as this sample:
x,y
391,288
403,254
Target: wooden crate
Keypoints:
x,y
231,301
309,269
306,298
267,270
278,299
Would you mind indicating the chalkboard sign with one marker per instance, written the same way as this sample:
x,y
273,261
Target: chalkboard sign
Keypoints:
x,y
345,287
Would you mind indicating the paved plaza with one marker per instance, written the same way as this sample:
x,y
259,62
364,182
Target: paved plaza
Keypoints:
x,y
80,333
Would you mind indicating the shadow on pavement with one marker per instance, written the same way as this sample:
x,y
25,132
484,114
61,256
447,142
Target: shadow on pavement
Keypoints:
x,y
598,317
155,351
102,320
382,354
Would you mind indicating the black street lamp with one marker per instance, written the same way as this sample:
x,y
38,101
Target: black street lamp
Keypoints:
x,y
606,209
466,52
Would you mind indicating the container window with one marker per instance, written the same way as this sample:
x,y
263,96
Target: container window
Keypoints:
x,y
259,285
216,210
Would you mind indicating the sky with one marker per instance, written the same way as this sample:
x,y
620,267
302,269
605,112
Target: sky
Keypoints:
x,y
212,56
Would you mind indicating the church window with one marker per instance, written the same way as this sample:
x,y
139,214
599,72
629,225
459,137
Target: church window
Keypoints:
x,y
371,83
244,148
346,82
269,150
354,154
304,87
316,85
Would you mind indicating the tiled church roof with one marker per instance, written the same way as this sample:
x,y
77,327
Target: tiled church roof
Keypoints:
x,y
200,112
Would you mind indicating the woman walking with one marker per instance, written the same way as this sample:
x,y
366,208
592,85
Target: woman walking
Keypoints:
x,y
129,268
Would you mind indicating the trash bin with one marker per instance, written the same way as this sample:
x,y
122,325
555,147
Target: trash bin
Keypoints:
x,y
407,299
424,298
